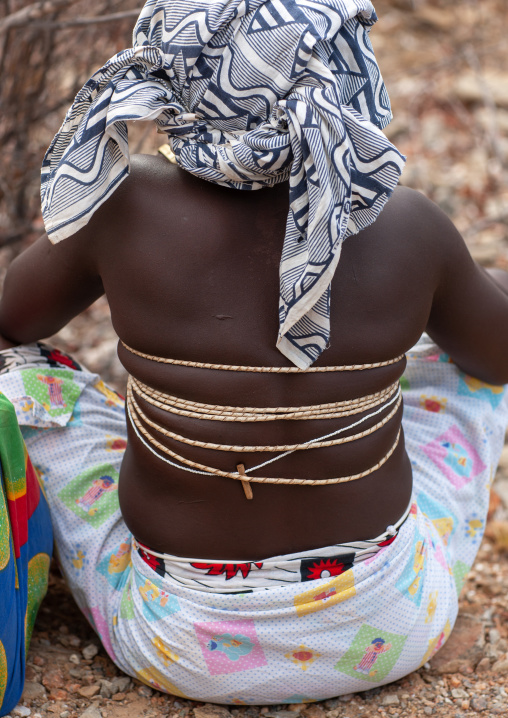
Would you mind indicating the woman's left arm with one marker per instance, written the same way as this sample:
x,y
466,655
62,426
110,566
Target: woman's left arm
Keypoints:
x,y
46,286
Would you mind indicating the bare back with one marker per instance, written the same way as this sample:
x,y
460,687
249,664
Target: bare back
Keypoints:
x,y
190,270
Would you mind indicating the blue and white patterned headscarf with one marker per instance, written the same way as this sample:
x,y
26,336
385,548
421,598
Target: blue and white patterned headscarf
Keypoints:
x,y
250,93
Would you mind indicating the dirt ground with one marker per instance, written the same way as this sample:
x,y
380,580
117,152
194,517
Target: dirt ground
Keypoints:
x,y
446,68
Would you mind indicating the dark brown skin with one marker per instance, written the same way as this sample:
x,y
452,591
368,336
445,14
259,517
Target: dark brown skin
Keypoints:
x,y
190,270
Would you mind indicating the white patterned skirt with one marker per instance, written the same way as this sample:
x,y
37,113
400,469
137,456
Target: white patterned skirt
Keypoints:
x,y
322,635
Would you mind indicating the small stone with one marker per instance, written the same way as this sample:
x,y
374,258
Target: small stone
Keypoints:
x,y
498,710
331,704
484,665
459,693
280,714
428,710
463,649
479,704
390,699
39,661
76,673
119,697
33,690
58,694
89,691
121,684
494,636
65,714
214,711
500,666
53,678
22,711
90,651
492,652
145,691
32,674
106,688
74,641
91,712
74,658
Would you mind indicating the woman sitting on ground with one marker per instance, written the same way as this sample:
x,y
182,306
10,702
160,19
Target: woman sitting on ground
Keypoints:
x,y
270,534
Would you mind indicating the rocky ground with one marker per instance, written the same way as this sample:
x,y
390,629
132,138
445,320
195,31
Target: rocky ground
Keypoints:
x,y
447,73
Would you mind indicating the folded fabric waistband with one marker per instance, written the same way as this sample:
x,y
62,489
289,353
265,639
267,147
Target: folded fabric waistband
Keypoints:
x,y
226,576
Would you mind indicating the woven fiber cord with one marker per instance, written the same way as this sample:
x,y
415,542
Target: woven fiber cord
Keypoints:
x,y
285,447
217,412
262,369
141,430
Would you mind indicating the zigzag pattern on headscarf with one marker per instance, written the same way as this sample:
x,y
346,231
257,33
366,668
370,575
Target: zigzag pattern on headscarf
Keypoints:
x,y
250,93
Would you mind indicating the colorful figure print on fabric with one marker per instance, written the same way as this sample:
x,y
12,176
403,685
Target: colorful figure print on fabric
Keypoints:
x,y
303,657
311,569
230,646
372,654
431,606
325,595
472,387
404,383
460,571
229,570
114,563
116,443
433,403
233,646
410,582
110,396
298,698
157,602
54,389
164,652
436,643
443,519
93,494
56,358
155,678
54,385
155,562
438,357
455,456
99,487
78,561
376,648
474,528
126,607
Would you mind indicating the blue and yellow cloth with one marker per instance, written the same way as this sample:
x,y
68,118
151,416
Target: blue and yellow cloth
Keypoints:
x,y
26,544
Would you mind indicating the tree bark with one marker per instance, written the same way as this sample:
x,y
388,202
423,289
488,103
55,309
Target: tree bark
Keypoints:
x,y
32,12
